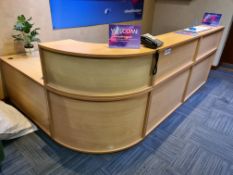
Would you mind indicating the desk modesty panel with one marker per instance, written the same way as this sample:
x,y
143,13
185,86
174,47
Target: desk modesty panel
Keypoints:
x,y
99,100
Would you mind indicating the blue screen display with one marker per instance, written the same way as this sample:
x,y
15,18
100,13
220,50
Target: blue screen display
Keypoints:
x,y
79,13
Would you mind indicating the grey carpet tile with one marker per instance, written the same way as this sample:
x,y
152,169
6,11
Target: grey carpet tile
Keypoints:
x,y
152,165
220,122
127,162
208,164
197,139
217,144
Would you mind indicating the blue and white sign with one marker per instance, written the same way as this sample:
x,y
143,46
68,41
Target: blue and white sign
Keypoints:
x,y
79,13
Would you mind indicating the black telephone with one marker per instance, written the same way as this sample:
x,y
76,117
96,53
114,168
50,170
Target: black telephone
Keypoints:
x,y
149,41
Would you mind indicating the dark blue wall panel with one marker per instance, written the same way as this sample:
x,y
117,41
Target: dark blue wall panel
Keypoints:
x,y
78,13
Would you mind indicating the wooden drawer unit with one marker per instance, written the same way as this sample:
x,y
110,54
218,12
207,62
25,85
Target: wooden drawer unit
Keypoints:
x,y
179,58
199,75
97,126
27,95
208,44
165,99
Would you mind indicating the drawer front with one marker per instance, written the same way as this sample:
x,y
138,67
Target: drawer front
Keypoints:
x,y
165,98
97,126
208,43
176,60
199,75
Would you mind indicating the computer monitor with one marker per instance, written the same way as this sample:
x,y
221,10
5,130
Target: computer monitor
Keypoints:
x,y
212,19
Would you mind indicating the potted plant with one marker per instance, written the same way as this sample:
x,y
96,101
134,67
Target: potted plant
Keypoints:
x,y
26,33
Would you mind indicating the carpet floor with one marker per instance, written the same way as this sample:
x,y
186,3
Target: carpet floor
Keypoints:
x,y
197,139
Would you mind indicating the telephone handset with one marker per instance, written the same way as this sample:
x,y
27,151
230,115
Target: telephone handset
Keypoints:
x,y
149,41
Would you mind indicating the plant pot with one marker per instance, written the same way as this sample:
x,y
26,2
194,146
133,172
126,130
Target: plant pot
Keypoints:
x,y
29,51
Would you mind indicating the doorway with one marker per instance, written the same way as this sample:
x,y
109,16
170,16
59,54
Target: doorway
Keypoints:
x,y
227,55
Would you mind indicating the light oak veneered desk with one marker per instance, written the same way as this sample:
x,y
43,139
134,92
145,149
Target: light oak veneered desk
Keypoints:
x,y
99,100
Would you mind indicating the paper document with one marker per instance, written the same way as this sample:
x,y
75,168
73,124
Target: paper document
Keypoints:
x,y
197,29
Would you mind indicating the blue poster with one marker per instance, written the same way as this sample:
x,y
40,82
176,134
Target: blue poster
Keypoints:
x,y
79,13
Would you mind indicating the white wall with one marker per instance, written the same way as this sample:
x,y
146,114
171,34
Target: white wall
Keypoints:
x,y
172,15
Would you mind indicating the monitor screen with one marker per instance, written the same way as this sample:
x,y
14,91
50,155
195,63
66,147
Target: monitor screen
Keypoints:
x,y
212,19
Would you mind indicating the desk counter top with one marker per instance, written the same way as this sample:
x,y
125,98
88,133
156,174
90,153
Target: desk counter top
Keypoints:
x,y
100,50
27,65
31,66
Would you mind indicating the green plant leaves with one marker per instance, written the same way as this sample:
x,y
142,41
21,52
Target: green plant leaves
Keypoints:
x,y
35,32
18,37
19,27
21,18
27,34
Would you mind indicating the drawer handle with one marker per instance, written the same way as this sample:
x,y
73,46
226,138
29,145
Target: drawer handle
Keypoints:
x,y
156,57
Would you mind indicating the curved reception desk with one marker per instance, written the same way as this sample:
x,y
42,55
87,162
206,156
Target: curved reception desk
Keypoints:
x,y
98,100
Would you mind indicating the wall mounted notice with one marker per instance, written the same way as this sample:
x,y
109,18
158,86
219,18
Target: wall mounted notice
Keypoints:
x,y
79,13
124,36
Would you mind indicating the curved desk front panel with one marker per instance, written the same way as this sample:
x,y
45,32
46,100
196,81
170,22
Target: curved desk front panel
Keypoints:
x,y
97,126
97,104
95,76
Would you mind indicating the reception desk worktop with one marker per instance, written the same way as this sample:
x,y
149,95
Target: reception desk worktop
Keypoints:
x,y
95,99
